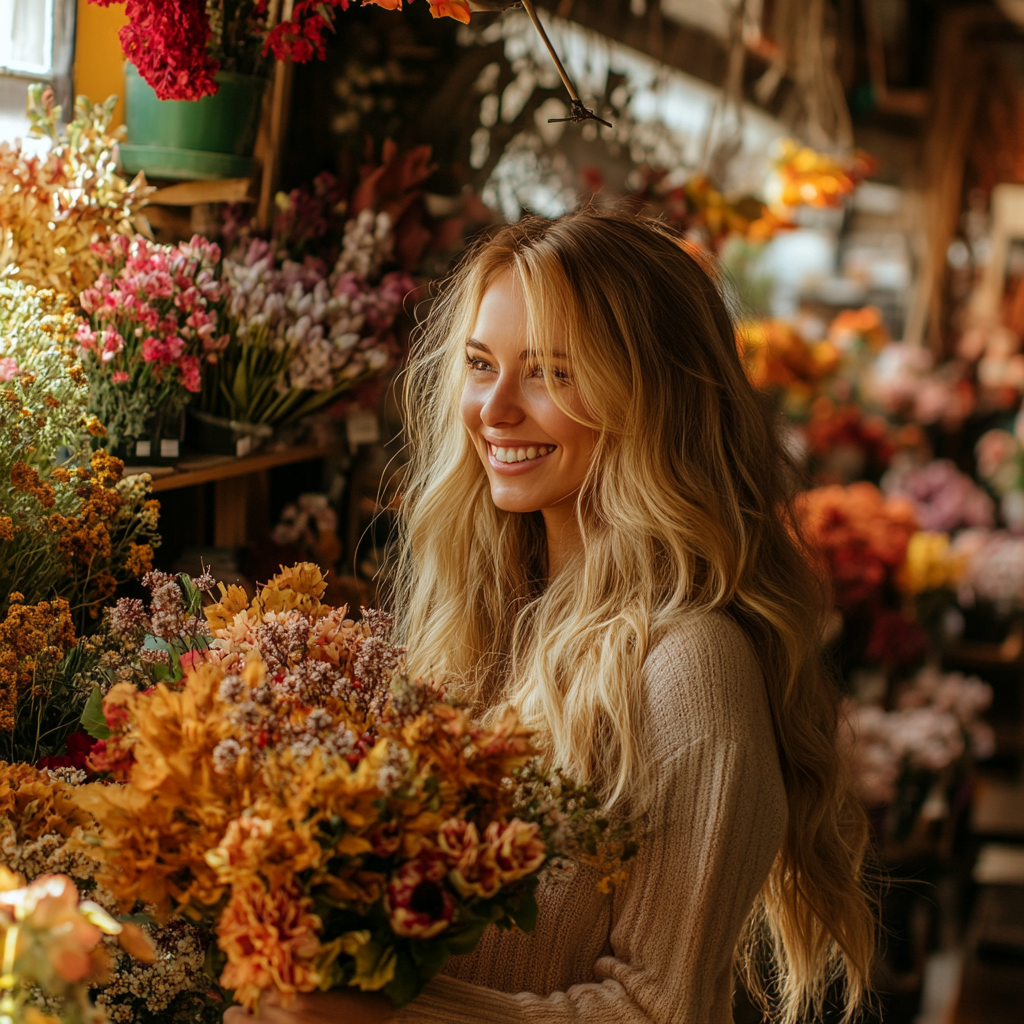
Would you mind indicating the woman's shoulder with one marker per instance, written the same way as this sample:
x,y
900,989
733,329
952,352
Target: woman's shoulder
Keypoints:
x,y
702,678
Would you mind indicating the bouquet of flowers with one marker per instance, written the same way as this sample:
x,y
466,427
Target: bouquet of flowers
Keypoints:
x,y
903,756
151,314
300,337
53,207
861,537
178,47
335,822
944,498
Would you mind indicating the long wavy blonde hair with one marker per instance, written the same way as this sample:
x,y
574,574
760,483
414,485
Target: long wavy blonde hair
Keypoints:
x,y
686,507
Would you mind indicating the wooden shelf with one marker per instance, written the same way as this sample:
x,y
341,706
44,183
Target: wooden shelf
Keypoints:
x,y
204,469
189,193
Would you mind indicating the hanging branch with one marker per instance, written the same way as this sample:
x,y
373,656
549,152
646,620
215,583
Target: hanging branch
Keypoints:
x,y
577,111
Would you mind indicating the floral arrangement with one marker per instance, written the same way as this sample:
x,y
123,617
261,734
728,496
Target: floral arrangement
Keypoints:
x,y
311,526
148,974
179,46
944,498
335,822
919,748
846,443
53,942
903,382
861,536
153,311
777,356
1000,461
809,178
994,570
69,526
302,337
53,207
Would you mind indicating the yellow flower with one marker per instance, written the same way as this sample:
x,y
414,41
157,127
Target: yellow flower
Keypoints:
x,y
930,564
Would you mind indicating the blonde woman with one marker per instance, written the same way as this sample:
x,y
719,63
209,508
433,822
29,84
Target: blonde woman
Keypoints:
x,y
596,531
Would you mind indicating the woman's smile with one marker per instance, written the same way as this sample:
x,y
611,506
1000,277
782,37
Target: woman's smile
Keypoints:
x,y
513,456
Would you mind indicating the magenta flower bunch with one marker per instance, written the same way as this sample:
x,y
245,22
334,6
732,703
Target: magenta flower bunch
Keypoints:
x,y
151,316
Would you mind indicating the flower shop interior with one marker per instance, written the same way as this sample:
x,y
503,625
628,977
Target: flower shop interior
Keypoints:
x,y
213,256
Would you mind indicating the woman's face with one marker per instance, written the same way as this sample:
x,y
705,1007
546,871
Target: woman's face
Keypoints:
x,y
536,457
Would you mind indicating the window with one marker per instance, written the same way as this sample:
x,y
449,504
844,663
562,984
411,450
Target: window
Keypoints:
x,y
36,44
26,37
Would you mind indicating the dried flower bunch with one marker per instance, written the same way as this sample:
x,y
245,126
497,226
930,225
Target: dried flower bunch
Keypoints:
x,y
300,336
336,822
179,45
53,207
153,311
69,526
150,974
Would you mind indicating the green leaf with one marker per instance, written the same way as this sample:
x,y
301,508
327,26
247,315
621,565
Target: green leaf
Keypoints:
x,y
93,720
429,955
405,986
193,595
523,908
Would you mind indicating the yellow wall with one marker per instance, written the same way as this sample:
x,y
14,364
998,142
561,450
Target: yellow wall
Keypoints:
x,y
99,62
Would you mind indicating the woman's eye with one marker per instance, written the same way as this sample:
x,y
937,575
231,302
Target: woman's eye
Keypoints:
x,y
477,364
558,374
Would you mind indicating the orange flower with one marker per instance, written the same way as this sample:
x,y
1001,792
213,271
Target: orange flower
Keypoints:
x,y
271,941
457,9
6,528
140,559
25,479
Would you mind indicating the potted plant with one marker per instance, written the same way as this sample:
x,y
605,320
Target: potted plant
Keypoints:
x,y
194,90
151,314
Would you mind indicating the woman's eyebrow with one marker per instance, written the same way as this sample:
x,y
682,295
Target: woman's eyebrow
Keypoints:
x,y
527,353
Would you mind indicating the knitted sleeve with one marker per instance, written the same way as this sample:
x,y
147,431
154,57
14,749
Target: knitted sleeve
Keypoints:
x,y
717,817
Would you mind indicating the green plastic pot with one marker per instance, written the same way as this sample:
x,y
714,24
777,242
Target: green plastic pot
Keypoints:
x,y
209,138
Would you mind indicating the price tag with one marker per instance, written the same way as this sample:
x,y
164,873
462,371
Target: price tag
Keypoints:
x,y
243,445
143,449
169,449
363,428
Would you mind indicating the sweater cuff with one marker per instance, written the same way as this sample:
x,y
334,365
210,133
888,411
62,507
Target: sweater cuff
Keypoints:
x,y
451,1001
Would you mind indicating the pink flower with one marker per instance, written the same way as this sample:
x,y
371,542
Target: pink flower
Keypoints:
x,y
119,377
85,336
112,344
8,368
191,659
191,378
154,350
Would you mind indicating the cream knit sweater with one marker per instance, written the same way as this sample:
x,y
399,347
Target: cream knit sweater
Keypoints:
x,y
660,948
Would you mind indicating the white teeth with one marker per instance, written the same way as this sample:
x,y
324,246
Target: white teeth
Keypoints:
x,y
511,455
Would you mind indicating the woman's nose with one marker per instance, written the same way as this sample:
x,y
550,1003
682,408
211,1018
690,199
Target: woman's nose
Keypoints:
x,y
504,401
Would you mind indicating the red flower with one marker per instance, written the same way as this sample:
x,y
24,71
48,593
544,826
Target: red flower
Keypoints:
x,y
417,902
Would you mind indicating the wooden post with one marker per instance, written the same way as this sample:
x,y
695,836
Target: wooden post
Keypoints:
x,y
272,133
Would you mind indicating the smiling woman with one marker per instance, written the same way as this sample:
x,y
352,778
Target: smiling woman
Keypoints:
x,y
596,532
535,448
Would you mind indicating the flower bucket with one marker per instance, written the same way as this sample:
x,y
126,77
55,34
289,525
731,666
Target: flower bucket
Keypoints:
x,y
213,137
220,436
